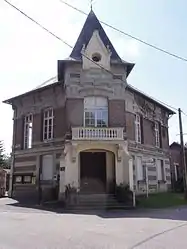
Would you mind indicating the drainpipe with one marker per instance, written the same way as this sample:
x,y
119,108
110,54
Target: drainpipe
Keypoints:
x,y
134,198
10,191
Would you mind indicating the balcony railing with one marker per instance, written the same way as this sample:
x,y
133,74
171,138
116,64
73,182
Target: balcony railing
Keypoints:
x,y
86,133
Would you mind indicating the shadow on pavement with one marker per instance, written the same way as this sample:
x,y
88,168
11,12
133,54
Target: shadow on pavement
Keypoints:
x,y
179,213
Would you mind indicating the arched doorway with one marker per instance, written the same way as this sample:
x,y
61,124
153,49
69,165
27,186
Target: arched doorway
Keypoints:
x,y
97,171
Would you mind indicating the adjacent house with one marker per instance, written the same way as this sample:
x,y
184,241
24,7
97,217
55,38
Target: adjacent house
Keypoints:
x,y
87,128
4,178
177,171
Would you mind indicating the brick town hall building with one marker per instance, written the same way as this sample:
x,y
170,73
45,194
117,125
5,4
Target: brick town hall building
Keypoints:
x,y
88,129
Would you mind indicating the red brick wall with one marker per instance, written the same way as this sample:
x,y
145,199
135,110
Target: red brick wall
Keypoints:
x,y
74,112
116,110
19,125
59,122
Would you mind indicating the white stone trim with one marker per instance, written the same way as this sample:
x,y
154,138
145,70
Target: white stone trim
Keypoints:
x,y
22,164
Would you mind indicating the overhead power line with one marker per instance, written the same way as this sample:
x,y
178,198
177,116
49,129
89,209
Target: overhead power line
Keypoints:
x,y
41,26
129,35
57,37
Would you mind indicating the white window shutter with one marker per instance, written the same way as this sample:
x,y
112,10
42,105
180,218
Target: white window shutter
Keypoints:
x,y
139,168
47,167
159,170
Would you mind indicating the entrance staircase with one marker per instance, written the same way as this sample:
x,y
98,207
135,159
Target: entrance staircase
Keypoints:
x,y
96,202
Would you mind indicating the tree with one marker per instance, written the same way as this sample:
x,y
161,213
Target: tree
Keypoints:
x,y
5,160
1,154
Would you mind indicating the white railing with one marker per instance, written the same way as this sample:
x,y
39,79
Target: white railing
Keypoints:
x,y
85,133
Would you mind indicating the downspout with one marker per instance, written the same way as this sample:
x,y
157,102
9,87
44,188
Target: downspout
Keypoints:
x,y
13,153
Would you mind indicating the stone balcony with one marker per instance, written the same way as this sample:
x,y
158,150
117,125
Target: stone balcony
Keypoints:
x,y
98,133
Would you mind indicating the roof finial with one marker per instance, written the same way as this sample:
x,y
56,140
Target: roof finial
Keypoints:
x,y
91,4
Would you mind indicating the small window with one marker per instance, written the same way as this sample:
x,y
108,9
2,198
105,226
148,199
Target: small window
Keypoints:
x,y
96,57
27,179
18,179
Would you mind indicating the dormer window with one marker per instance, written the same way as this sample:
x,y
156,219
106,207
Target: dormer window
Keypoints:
x,y
96,57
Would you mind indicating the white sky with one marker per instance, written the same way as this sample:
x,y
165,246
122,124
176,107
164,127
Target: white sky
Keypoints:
x,y
28,54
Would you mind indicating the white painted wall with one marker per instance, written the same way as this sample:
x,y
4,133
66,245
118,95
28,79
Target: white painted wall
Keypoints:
x,y
71,167
131,181
109,166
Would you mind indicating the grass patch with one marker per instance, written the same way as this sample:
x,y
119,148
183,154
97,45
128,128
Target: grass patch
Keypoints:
x,y
161,200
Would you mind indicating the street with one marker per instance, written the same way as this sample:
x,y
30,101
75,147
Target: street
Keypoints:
x,y
22,227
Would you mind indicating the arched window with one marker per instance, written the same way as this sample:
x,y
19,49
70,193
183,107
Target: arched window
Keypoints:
x,y
95,112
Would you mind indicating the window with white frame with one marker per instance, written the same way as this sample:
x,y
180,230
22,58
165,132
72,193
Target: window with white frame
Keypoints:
x,y
138,128
28,123
95,112
157,135
48,124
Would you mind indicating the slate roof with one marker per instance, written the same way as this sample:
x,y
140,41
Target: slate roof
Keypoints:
x,y
175,144
91,24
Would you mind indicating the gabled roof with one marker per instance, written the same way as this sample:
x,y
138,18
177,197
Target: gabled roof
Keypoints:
x,y
92,24
175,144
46,85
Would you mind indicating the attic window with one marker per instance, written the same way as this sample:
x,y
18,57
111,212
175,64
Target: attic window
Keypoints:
x,y
96,57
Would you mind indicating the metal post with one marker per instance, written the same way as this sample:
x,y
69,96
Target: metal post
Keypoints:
x,y
11,179
134,199
183,159
147,181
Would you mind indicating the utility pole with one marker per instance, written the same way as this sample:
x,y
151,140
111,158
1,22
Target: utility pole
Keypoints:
x,y
183,157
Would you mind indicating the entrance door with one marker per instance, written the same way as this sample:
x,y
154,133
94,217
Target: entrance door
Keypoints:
x,y
93,172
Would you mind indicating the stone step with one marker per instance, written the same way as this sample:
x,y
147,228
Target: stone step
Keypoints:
x,y
96,202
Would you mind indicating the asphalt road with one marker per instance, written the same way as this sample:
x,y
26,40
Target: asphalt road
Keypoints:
x,y
29,228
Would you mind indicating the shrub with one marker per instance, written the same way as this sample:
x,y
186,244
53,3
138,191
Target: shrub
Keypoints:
x,y
123,194
179,185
